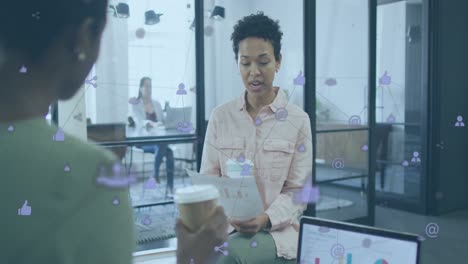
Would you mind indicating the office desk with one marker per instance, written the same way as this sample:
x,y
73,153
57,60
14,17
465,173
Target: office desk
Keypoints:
x,y
159,131
143,136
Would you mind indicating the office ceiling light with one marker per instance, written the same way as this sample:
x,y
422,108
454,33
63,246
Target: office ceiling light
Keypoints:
x,y
151,18
121,10
218,13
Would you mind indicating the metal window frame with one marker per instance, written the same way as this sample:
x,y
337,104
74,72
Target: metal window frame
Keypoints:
x,y
310,99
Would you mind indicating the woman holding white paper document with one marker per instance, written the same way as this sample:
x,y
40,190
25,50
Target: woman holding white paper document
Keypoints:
x,y
260,134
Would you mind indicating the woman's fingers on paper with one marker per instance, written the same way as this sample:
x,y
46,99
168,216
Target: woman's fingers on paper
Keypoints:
x,y
238,222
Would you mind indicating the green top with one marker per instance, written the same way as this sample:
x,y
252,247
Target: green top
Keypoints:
x,y
72,218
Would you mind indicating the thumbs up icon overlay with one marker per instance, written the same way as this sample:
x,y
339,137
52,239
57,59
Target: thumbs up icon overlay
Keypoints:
x,y
300,79
25,210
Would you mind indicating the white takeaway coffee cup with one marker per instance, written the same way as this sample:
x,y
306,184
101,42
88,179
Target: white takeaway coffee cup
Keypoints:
x,y
196,204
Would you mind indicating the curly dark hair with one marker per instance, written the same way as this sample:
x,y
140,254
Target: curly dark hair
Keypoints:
x,y
260,26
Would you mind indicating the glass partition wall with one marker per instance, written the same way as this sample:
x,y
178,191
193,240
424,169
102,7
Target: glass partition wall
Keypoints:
x,y
402,103
342,110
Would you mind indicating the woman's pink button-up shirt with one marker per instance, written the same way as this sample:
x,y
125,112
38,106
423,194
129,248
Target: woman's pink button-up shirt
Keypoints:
x,y
281,151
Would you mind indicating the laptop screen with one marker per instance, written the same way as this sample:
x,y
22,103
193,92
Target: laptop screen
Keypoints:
x,y
328,245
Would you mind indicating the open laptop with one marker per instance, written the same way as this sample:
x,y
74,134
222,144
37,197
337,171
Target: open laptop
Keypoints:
x,y
329,242
175,116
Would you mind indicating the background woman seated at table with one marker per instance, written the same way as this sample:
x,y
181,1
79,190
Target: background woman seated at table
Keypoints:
x,y
272,136
146,109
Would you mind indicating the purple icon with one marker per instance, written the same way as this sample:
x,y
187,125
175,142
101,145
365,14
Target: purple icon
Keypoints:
x,y
25,210
337,251
324,229
281,114
192,261
354,120
59,136
11,129
150,184
330,82
209,30
366,243
116,168
134,101
140,33
245,170
460,122
23,69
117,180
416,158
147,221
241,158
385,79
220,248
185,127
300,79
116,201
181,90
36,15
92,81
338,163
78,117
258,121
440,145
432,229
391,119
309,193
253,244
405,163
301,148
365,148
67,168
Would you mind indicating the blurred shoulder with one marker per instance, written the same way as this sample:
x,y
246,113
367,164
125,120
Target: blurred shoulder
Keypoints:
x,y
81,152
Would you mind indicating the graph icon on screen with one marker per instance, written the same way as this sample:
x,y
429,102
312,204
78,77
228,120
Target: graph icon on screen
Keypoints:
x,y
381,261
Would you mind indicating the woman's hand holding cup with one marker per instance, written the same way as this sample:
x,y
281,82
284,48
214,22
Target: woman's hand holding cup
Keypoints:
x,y
200,245
202,225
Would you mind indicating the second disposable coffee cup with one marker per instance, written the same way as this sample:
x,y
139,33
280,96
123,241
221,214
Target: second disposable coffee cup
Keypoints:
x,y
196,204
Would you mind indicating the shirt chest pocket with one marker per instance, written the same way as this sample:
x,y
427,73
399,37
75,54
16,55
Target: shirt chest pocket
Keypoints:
x,y
229,148
278,156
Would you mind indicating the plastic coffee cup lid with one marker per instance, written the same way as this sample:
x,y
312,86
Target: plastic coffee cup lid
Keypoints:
x,y
196,193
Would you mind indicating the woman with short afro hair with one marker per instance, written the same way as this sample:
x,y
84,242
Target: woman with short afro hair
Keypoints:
x,y
262,132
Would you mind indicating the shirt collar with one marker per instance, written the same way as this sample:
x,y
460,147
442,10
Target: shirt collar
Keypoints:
x,y
280,100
